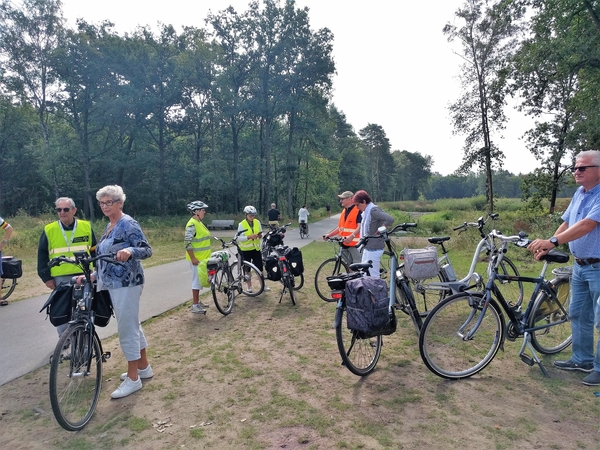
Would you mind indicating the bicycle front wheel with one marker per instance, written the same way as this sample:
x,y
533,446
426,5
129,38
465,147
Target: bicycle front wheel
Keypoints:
x,y
360,356
252,281
7,287
446,345
75,390
223,290
328,268
546,311
512,290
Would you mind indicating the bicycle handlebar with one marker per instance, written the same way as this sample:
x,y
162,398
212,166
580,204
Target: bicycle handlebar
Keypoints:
x,y
82,258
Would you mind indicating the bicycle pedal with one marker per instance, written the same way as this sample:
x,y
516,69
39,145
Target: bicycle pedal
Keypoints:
x,y
105,356
527,359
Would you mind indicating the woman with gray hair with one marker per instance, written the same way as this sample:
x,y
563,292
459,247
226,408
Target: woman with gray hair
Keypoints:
x,y
124,238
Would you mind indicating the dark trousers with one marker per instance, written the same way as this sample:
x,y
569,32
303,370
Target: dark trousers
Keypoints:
x,y
253,256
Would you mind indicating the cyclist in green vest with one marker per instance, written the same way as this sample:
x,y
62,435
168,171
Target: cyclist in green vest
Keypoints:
x,y
197,248
249,241
62,238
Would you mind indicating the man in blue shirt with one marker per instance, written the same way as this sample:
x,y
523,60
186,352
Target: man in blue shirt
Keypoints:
x,y
580,229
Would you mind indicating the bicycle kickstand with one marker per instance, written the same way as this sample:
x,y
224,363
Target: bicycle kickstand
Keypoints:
x,y
533,359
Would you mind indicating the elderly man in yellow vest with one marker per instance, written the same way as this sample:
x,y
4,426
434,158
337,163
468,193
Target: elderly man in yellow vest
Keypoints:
x,y
197,248
63,237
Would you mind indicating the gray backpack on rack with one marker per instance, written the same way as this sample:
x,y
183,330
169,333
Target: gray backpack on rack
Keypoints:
x,y
367,307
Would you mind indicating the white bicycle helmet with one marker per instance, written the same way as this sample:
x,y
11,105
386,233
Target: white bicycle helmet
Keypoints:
x,y
250,210
196,205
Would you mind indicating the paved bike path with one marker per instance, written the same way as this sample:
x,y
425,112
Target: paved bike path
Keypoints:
x,y
27,339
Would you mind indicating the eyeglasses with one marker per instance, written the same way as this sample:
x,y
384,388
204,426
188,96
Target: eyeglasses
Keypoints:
x,y
580,168
108,203
63,210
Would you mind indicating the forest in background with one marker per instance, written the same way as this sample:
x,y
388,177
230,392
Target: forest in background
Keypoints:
x,y
239,111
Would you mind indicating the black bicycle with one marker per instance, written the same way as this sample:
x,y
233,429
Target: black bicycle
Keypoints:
x,y
76,364
463,333
272,238
360,353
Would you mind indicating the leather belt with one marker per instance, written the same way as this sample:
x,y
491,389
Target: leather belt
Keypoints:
x,y
587,262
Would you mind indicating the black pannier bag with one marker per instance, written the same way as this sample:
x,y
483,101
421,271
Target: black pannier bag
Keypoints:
x,y
272,268
367,307
102,307
295,259
12,268
59,304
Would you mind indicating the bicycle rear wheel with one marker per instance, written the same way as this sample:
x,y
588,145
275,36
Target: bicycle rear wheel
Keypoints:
x,y
406,304
289,286
7,287
512,290
329,267
223,290
546,311
444,344
253,283
74,392
360,356
425,295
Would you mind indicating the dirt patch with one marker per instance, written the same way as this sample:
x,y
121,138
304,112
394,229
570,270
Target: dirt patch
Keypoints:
x,y
269,376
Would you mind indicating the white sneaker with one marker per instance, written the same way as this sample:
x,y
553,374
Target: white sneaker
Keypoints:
x,y
203,305
143,374
127,387
198,309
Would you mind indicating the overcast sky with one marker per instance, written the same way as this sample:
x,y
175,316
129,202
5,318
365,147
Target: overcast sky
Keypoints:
x,y
394,66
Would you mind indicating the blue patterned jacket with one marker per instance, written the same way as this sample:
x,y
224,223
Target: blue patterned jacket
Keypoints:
x,y
127,234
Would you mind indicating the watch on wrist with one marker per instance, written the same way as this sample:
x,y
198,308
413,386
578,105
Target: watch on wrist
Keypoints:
x,y
554,241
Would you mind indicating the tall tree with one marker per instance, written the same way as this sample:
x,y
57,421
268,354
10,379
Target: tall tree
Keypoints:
x,y
28,37
378,148
487,35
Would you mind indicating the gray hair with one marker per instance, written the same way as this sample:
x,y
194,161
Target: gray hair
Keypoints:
x,y
595,154
113,191
65,199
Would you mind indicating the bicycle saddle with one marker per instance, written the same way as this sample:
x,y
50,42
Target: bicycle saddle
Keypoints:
x,y
438,240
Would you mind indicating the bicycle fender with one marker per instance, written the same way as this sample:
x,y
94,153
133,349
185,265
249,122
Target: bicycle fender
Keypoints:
x,y
338,319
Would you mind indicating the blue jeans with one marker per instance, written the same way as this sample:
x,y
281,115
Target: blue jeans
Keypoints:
x,y
584,312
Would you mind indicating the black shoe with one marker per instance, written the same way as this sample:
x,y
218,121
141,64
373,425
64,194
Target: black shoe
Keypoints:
x,y
570,365
593,379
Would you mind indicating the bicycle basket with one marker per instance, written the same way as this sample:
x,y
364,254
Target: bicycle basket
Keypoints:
x,y
421,263
220,255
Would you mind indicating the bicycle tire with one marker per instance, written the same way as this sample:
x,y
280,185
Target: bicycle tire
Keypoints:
x,y
256,279
512,290
288,284
74,393
298,281
426,299
329,267
556,338
442,343
223,290
406,304
360,356
7,287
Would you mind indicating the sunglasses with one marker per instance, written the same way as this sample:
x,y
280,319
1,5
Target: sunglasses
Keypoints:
x,y
63,210
580,168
